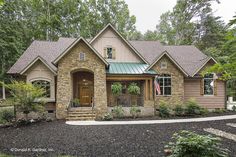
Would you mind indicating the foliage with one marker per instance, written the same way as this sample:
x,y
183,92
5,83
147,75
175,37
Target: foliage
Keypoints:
x,y
116,88
107,117
76,101
134,89
219,110
22,21
190,144
26,97
204,111
118,111
6,115
164,110
135,111
234,108
192,108
179,110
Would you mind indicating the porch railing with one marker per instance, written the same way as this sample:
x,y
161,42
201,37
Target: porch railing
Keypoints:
x,y
125,100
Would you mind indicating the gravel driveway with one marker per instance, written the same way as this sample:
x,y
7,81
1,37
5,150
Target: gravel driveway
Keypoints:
x,y
57,138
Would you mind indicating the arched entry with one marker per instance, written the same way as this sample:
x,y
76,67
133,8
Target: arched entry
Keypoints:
x,y
83,88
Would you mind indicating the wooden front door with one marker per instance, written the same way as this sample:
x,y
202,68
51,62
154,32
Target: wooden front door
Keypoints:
x,y
85,95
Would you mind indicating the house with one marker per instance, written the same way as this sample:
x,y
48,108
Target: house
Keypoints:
x,y
83,69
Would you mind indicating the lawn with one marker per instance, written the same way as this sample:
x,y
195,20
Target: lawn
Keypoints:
x,y
57,138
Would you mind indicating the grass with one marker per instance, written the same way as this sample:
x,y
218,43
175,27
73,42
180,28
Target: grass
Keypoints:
x,y
5,155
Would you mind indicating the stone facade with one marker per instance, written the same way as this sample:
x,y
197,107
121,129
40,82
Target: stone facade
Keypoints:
x,y
177,82
71,63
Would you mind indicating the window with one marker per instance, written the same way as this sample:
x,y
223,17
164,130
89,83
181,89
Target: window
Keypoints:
x,y
81,56
109,52
208,84
165,84
44,85
163,65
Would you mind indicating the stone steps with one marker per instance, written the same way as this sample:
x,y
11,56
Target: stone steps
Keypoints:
x,y
81,114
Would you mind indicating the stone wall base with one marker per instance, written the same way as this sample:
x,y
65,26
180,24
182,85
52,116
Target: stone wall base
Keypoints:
x,y
145,111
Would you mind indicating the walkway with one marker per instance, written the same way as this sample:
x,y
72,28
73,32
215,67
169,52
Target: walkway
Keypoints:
x,y
151,121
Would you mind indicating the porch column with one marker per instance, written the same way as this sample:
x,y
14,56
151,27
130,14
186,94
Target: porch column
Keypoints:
x,y
151,89
146,90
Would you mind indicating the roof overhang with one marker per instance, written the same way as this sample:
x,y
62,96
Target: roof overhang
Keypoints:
x,y
171,58
209,59
38,58
72,45
126,41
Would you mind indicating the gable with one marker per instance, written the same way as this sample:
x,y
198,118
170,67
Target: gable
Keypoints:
x,y
171,68
124,52
85,44
208,64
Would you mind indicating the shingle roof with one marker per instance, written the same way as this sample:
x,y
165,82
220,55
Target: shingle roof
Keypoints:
x,y
129,68
188,57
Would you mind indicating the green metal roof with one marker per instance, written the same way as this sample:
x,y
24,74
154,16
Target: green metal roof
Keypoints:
x,y
128,68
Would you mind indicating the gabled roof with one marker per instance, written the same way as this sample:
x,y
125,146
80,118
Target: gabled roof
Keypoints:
x,y
34,61
126,41
73,44
171,58
188,58
200,68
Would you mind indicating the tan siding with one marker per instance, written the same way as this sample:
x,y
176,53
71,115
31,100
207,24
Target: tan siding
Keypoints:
x,y
192,90
111,39
40,71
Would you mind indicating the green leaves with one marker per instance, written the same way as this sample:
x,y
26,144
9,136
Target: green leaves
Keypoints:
x,y
190,144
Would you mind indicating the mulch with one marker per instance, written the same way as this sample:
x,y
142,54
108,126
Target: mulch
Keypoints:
x,y
57,138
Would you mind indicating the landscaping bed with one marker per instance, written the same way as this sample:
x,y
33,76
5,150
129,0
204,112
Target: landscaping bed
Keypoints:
x,y
114,140
210,114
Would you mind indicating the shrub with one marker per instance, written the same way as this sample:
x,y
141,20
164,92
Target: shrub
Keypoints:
x,y
179,110
118,111
192,108
116,88
164,110
26,97
134,89
107,117
135,111
234,108
218,110
190,144
204,111
7,115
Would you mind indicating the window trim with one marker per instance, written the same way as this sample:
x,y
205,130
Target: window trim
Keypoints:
x,y
163,77
163,63
213,90
50,85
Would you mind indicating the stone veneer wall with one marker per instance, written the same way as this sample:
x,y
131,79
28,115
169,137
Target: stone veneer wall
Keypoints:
x,y
177,81
69,64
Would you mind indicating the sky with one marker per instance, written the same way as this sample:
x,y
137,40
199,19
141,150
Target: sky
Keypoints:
x,y
147,12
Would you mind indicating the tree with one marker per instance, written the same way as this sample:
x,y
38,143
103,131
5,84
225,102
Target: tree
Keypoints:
x,y
26,97
151,35
184,24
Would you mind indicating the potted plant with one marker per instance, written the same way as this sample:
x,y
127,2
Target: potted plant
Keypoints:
x,y
76,102
116,89
134,90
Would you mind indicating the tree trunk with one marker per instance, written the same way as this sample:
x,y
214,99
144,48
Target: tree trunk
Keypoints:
x,y
3,92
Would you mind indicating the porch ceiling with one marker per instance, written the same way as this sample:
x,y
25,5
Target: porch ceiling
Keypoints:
x,y
129,68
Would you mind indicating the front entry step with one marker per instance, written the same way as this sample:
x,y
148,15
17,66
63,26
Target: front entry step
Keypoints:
x,y
81,114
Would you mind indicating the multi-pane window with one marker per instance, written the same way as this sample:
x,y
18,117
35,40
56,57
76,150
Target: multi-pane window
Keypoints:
x,y
165,84
109,52
44,85
208,84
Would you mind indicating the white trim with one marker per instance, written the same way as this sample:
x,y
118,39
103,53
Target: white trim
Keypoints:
x,y
203,65
126,41
73,44
136,122
33,62
159,57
